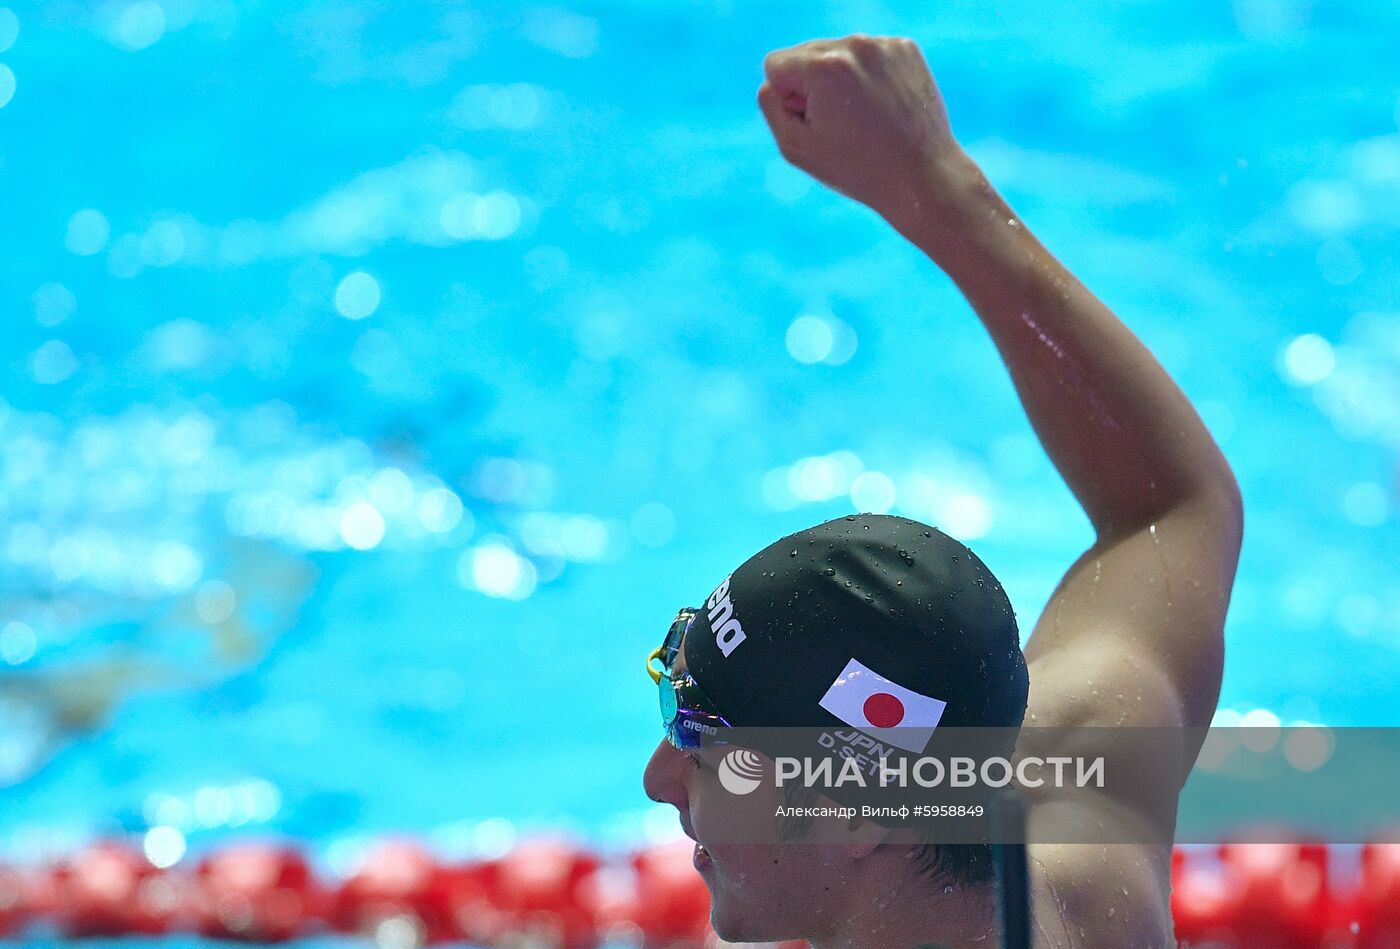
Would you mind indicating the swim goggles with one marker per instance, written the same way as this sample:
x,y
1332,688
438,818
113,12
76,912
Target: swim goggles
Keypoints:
x,y
689,717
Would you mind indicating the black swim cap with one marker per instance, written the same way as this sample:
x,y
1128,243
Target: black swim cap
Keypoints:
x,y
920,616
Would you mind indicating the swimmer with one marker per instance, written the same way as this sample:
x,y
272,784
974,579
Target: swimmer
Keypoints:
x,y
1132,635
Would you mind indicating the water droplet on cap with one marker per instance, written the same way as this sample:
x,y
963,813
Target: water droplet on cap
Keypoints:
x,y
830,571
793,553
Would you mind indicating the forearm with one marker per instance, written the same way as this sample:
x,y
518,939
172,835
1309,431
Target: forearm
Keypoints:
x,y
1120,431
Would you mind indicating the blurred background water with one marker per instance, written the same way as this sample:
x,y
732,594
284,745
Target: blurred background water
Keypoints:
x,y
380,378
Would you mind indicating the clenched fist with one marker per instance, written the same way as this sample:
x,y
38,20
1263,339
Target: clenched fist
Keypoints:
x,y
861,115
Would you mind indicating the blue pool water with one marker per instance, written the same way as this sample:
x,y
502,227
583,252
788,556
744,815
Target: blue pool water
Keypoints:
x,y
380,378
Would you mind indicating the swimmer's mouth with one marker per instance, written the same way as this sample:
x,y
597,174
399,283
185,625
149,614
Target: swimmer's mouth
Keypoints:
x,y
701,857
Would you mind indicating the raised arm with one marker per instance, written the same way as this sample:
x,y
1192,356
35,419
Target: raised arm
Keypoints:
x,y
1144,608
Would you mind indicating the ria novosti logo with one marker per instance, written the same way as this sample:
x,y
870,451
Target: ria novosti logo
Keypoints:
x,y
740,771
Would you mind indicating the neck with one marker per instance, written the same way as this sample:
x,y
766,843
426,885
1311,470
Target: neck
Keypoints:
x,y
914,912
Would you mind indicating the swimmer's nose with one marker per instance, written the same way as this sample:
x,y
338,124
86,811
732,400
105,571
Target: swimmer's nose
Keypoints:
x,y
664,777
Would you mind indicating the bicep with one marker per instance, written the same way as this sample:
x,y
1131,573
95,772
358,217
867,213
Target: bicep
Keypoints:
x,y
1141,614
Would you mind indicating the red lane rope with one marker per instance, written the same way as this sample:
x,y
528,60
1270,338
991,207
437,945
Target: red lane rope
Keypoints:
x,y
548,893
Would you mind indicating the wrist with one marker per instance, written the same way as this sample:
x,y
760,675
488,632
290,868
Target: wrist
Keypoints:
x,y
951,204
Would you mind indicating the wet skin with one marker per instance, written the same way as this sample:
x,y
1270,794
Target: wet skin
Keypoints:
x,y
1132,636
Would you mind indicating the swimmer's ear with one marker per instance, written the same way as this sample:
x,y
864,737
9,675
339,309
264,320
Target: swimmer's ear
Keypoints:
x,y
863,836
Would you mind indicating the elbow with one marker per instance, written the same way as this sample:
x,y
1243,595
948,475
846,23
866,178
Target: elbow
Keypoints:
x,y
1228,504
1217,508
1214,503
1213,491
